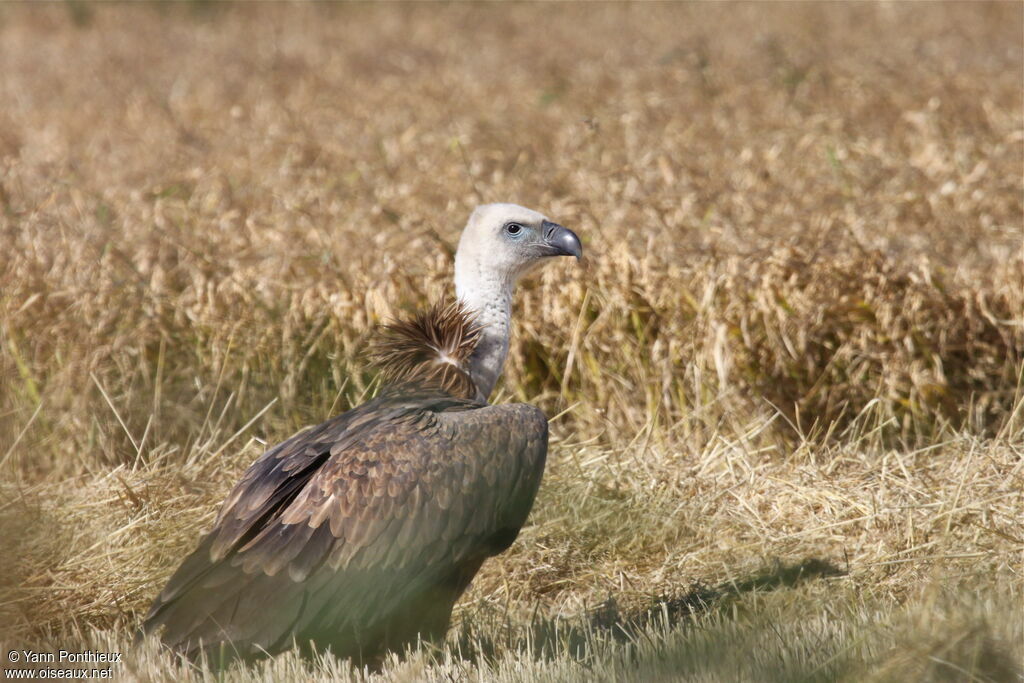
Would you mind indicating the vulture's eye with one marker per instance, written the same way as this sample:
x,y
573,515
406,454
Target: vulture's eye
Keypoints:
x,y
514,229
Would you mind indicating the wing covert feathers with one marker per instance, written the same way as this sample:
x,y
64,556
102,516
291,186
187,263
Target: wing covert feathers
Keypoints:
x,y
357,530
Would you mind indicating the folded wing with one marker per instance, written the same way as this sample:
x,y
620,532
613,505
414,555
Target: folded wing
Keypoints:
x,y
359,534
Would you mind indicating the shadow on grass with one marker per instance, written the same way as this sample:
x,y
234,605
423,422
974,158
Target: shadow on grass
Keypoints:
x,y
548,638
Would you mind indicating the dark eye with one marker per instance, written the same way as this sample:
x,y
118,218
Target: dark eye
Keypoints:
x,y
513,229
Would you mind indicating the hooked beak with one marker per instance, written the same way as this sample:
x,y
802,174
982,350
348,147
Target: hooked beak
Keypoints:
x,y
561,241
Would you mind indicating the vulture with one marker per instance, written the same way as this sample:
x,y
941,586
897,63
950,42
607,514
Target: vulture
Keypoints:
x,y
358,535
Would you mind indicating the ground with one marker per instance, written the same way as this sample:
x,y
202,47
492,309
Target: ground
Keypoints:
x,y
785,387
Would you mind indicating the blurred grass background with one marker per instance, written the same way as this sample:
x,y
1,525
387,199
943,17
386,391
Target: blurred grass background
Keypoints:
x,y
787,384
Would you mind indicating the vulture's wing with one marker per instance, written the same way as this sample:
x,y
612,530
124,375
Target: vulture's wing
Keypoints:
x,y
352,531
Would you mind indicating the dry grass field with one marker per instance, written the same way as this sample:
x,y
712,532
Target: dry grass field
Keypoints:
x,y
788,436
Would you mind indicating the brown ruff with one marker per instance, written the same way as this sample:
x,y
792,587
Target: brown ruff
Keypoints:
x,y
432,348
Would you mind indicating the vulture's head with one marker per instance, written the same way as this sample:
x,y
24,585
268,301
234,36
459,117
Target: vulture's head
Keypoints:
x,y
500,244
503,242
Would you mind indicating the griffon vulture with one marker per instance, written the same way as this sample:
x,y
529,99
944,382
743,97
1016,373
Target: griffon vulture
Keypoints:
x,y
358,535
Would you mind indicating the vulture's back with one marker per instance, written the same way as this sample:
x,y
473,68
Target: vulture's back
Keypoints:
x,y
359,534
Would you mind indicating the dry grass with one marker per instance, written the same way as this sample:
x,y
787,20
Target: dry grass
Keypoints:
x,y
790,432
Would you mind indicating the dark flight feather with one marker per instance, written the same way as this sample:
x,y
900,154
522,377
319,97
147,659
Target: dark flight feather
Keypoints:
x,y
359,534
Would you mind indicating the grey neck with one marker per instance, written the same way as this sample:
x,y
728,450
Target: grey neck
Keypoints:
x,y
490,297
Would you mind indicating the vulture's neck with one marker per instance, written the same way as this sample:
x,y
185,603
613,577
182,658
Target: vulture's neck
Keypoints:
x,y
490,297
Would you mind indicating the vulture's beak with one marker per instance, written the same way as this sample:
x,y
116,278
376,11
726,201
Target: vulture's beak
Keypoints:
x,y
561,241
